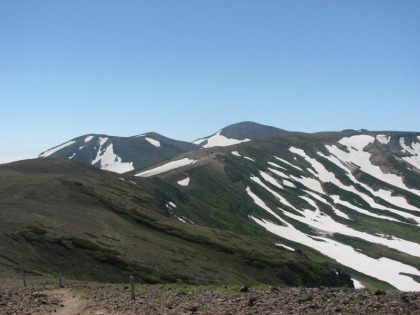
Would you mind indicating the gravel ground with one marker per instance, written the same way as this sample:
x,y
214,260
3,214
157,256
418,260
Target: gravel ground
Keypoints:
x,y
181,299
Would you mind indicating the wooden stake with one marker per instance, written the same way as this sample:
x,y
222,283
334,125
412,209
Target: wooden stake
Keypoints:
x,y
60,280
133,296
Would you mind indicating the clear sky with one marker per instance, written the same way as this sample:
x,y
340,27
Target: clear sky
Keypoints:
x,y
185,69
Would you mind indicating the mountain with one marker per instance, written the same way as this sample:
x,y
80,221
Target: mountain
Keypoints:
x,y
237,133
60,215
124,154
120,154
349,198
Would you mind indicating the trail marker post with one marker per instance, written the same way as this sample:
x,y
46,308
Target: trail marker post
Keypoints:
x,y
133,296
60,280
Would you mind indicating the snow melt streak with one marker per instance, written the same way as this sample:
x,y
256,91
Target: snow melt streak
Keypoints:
x,y
385,269
166,167
49,152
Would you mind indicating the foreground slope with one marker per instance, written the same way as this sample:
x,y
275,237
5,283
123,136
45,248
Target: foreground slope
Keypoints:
x,y
350,198
59,215
120,154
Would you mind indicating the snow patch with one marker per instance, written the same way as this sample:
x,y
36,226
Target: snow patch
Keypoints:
x,y
383,139
53,150
153,142
219,140
110,161
285,246
72,156
357,284
166,167
185,182
245,157
88,138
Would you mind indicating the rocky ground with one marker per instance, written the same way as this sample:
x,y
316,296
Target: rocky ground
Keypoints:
x,y
88,298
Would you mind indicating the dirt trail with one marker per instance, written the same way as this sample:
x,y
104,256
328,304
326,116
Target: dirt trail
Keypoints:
x,y
73,303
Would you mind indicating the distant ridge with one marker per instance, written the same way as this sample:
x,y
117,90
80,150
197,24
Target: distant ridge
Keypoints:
x,y
124,154
120,154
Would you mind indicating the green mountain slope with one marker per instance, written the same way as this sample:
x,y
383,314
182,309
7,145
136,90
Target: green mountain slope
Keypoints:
x,y
349,198
59,215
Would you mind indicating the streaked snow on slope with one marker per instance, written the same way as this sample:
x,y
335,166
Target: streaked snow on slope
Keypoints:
x,y
285,246
236,153
166,167
288,163
88,138
357,156
153,142
53,150
218,140
383,268
184,182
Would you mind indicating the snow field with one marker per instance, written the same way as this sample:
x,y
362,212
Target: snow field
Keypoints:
x,y
166,167
381,193
322,221
384,269
325,176
356,155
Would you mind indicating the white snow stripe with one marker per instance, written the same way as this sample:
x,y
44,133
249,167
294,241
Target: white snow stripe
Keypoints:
x,y
166,167
154,142
53,150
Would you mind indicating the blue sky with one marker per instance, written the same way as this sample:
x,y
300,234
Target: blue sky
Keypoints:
x,y
185,69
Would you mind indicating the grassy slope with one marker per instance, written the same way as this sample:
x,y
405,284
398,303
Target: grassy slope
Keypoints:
x,y
63,216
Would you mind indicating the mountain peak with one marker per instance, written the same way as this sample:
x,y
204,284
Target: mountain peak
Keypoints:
x,y
237,133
